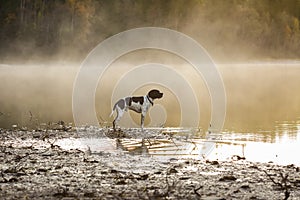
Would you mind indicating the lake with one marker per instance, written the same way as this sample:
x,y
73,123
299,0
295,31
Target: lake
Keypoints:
x,y
262,119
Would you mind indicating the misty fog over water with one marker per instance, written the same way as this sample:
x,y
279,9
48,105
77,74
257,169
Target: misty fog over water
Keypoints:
x,y
259,95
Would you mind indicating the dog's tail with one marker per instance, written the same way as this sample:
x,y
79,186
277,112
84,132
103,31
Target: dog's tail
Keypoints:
x,y
113,110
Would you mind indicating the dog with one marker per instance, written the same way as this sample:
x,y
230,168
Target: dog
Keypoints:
x,y
140,104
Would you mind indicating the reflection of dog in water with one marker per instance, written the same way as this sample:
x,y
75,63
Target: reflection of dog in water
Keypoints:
x,y
138,104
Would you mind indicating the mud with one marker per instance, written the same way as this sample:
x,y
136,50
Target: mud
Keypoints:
x,y
33,166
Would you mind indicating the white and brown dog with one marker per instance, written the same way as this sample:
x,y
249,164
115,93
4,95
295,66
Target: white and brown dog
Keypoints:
x,y
139,104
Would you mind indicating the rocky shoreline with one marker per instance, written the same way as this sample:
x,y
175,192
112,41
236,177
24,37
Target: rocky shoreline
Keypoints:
x,y
33,167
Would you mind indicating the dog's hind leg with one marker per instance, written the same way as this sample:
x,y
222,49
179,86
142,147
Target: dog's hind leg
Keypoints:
x,y
114,123
120,113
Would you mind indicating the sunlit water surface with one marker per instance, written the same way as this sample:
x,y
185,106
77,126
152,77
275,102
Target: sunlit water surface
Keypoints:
x,y
279,147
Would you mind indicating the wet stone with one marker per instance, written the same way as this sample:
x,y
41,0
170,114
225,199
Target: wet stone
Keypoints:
x,y
228,178
245,186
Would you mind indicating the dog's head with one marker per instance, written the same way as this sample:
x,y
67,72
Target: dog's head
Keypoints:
x,y
155,94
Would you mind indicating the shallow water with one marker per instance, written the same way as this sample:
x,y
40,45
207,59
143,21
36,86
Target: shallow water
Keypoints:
x,y
278,147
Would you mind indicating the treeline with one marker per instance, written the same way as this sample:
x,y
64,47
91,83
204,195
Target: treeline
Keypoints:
x,y
229,29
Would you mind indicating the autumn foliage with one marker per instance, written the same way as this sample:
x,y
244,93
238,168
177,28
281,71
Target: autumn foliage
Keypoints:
x,y
30,29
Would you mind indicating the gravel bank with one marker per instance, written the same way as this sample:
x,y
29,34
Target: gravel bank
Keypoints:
x,y
33,167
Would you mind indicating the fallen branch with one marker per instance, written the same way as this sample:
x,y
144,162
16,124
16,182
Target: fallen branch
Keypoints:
x,y
283,183
196,190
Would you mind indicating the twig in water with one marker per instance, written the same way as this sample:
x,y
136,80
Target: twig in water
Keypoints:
x,y
30,115
173,142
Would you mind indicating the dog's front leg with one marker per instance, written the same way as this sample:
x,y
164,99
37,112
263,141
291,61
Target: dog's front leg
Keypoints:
x,y
142,121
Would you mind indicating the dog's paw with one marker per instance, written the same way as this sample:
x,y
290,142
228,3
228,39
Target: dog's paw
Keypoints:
x,y
115,133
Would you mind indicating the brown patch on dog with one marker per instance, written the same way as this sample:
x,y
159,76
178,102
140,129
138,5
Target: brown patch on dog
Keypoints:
x,y
139,100
121,103
128,101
